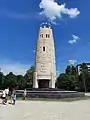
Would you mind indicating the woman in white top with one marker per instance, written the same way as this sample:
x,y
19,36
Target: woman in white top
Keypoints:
x,y
3,94
3,97
7,91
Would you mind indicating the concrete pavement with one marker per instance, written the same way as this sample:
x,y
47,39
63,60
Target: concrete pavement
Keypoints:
x,y
40,110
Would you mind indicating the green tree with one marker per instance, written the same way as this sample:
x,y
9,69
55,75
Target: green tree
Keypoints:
x,y
74,72
29,76
67,82
21,82
84,75
70,70
88,82
84,68
10,80
1,79
81,83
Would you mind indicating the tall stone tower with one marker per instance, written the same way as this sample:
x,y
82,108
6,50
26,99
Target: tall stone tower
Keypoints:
x,y
45,67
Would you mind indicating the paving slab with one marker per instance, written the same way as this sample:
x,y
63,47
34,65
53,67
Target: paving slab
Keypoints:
x,y
41,110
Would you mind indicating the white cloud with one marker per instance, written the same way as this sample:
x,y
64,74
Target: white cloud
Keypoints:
x,y
72,12
74,39
15,67
52,10
34,51
72,62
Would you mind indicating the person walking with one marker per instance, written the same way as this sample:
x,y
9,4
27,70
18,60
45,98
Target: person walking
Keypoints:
x,y
3,97
13,94
24,94
14,99
7,92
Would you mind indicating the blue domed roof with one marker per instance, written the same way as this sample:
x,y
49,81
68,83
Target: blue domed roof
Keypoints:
x,y
45,25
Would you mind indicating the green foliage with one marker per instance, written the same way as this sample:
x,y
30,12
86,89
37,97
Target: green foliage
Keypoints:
x,y
88,83
67,82
70,70
69,79
81,83
1,79
17,81
21,82
29,77
84,69
10,80
85,76
72,81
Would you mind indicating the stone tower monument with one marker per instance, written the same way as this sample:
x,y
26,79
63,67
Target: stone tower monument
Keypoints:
x,y
45,67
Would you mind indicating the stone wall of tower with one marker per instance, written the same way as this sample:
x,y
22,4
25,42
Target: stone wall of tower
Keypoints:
x,y
45,56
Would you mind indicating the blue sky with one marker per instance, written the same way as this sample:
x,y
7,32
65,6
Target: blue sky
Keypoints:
x,y
19,25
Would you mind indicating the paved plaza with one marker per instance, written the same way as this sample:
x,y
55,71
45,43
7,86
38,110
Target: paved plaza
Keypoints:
x,y
40,110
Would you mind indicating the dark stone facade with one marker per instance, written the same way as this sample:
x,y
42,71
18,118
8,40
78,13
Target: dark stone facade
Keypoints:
x,y
50,93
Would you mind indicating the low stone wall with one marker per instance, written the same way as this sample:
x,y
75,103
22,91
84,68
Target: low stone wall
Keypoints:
x,y
51,94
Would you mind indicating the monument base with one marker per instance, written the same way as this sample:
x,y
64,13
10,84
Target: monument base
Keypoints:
x,y
50,93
